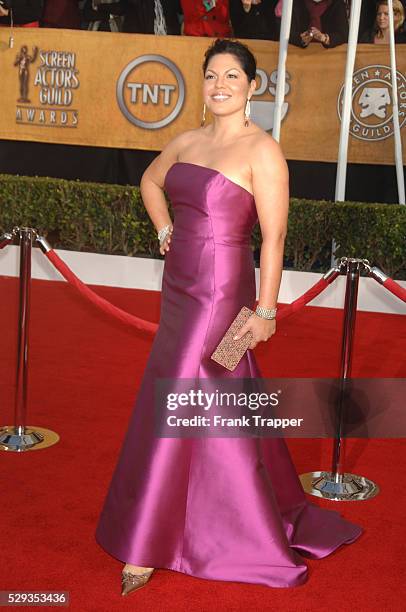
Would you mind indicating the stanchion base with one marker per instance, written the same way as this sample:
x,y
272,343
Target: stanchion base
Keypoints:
x,y
349,488
33,438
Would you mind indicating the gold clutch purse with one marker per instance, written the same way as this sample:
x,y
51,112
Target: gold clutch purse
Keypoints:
x,y
229,352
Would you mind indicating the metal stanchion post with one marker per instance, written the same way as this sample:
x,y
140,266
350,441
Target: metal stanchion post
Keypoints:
x,y
338,485
19,437
350,314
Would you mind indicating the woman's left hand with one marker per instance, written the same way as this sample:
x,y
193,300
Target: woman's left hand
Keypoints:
x,y
261,329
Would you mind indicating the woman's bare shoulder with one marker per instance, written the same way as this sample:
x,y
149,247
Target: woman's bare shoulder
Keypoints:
x,y
264,142
265,149
169,155
182,141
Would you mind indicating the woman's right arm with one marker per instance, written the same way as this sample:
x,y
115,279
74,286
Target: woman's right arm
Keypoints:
x,y
152,183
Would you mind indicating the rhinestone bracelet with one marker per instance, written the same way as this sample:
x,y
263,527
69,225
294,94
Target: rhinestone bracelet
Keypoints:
x,y
266,313
164,233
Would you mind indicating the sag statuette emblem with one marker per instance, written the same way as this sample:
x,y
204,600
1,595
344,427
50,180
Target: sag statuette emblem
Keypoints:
x,y
47,87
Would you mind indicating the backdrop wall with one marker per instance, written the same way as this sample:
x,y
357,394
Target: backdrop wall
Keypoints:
x,y
138,91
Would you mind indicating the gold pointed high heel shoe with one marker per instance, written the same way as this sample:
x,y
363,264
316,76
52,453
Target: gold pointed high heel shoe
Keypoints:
x,y
131,582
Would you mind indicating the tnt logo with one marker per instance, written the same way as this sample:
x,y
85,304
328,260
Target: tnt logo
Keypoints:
x,y
151,91
154,94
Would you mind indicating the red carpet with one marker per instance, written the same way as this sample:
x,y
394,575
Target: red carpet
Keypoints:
x,y
84,372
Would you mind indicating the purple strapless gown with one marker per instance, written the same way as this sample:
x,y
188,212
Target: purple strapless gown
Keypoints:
x,y
216,508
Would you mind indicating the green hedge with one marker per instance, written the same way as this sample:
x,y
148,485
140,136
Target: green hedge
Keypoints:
x,y
111,219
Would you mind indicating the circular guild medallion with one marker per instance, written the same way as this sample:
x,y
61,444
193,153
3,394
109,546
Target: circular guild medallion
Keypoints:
x,y
371,112
144,102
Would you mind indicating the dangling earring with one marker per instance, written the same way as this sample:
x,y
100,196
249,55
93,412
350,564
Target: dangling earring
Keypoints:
x,y
203,116
247,112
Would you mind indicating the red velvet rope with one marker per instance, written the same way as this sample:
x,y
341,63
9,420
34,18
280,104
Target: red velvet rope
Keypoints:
x,y
303,299
395,288
103,304
152,327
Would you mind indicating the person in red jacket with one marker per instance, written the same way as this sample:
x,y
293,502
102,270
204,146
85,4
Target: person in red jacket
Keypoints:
x,y
61,14
206,18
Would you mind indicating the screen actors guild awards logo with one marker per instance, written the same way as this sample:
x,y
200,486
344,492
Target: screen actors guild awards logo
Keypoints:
x,y
56,79
371,113
23,61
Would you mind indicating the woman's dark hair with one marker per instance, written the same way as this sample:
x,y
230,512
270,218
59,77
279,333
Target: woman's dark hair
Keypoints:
x,y
240,51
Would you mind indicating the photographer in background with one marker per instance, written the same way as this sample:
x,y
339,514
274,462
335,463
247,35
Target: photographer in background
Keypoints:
x,y
24,13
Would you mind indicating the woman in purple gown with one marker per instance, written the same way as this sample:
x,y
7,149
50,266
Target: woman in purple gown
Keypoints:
x,y
215,508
